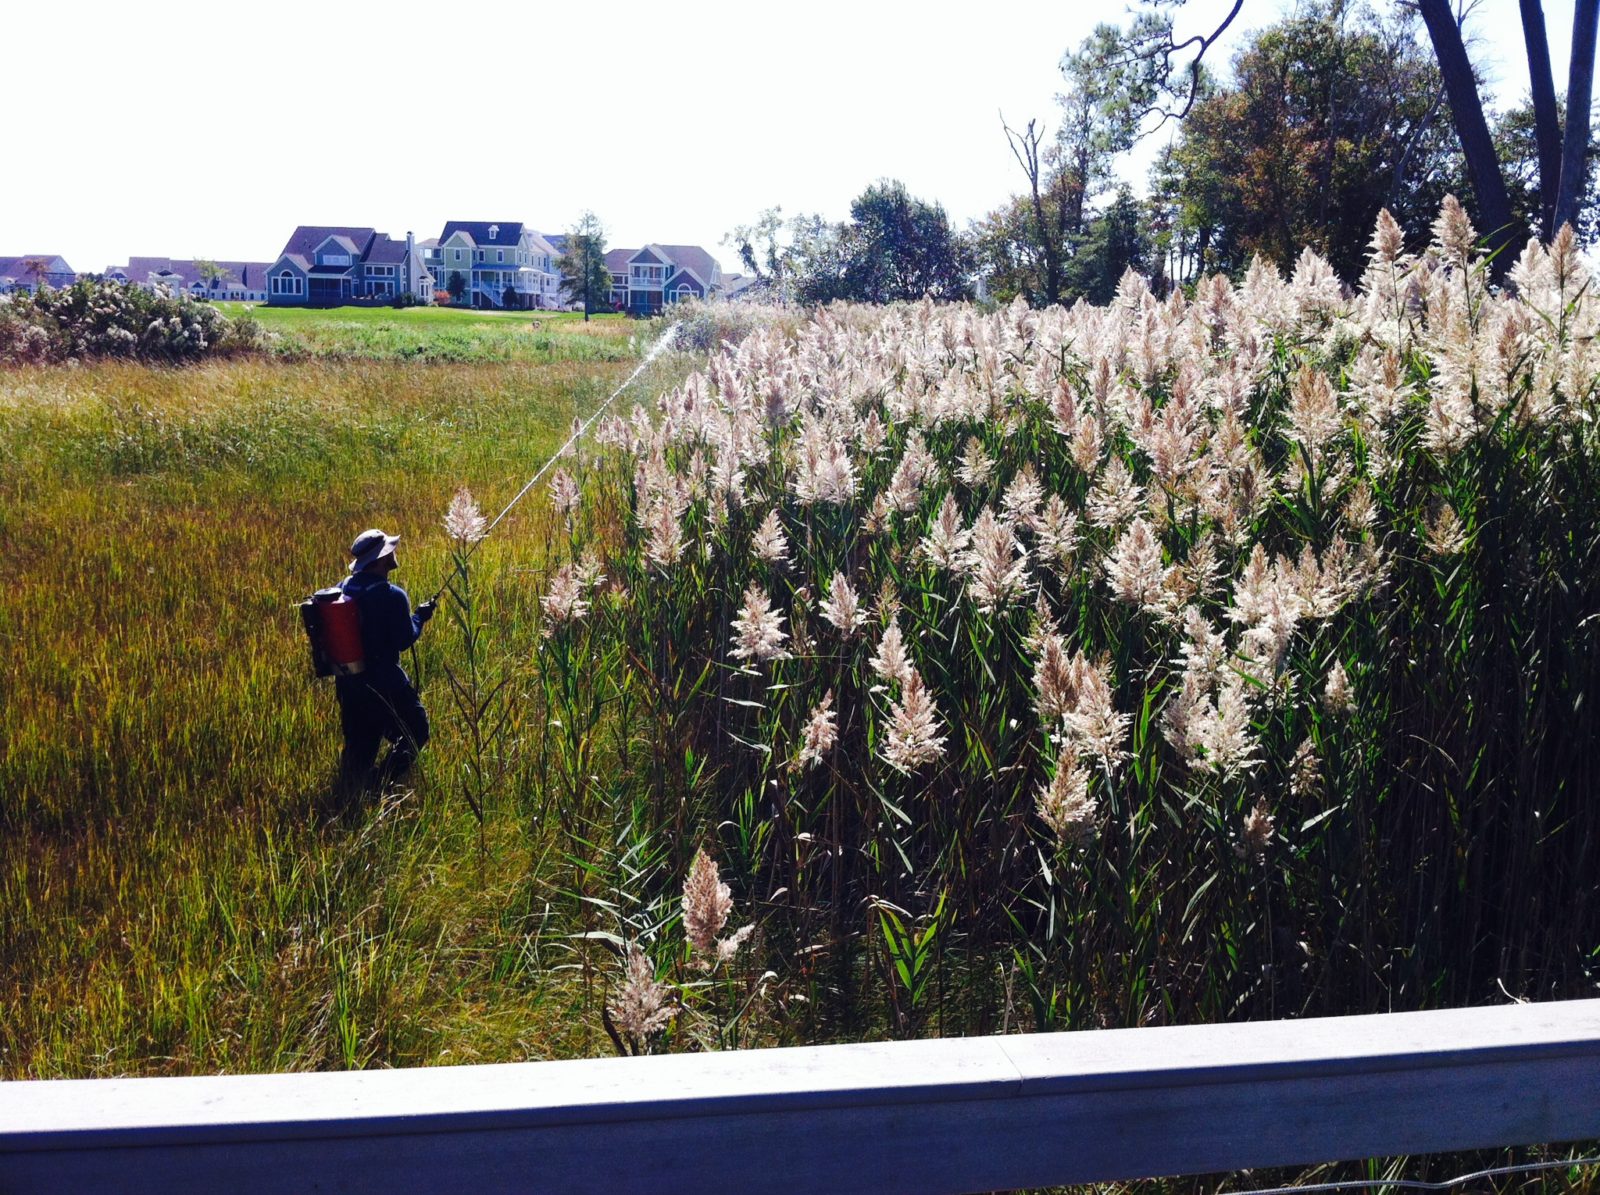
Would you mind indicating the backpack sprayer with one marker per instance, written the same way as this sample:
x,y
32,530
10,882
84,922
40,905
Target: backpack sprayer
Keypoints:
x,y
331,618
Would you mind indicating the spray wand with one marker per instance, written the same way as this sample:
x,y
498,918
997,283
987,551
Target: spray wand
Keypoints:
x,y
655,351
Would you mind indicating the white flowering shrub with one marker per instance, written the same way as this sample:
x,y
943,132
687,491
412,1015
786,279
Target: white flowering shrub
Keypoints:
x,y
97,319
1185,646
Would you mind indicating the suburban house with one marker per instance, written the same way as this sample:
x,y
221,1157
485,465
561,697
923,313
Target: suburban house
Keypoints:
x,y
328,266
504,264
643,281
617,266
25,273
244,281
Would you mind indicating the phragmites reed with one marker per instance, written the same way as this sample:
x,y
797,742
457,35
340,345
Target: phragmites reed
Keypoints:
x,y
706,903
641,1006
463,521
915,602
758,632
914,725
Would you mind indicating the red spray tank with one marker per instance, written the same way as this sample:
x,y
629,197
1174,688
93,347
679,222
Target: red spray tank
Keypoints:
x,y
333,624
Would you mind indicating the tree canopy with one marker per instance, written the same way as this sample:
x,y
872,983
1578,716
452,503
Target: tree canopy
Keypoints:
x,y
584,277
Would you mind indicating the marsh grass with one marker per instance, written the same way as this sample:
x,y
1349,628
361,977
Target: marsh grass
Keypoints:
x,y
440,334
173,901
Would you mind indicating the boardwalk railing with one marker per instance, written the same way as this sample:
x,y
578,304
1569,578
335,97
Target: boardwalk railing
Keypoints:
x,y
959,1115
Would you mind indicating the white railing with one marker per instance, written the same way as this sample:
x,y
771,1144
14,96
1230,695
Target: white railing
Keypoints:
x,y
956,1115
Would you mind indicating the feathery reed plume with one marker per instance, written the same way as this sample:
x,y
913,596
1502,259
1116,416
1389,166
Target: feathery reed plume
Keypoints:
x,y
665,544
463,521
1337,696
1305,771
770,543
1020,502
976,467
1258,830
1056,681
564,602
707,901
1446,536
1134,567
890,661
1065,804
1225,736
913,737
842,607
996,564
945,544
758,632
564,493
820,734
641,1006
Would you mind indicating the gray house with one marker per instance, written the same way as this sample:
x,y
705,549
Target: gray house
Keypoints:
x,y
28,272
333,265
238,280
643,281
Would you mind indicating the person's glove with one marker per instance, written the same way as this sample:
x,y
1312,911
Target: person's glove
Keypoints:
x,y
425,611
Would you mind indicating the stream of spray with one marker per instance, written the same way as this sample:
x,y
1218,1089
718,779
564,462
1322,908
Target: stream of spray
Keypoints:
x,y
655,350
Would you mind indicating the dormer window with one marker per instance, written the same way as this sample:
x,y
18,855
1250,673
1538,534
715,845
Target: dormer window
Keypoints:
x,y
494,232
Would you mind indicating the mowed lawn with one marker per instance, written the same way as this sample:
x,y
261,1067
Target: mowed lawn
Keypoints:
x,y
173,901
442,334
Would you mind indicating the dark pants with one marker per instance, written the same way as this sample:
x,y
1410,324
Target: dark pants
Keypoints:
x,y
371,711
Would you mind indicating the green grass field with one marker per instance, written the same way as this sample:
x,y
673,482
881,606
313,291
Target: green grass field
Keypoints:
x,y
173,902
440,334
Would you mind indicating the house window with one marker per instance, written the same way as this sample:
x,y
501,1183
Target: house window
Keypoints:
x,y
685,291
499,254
480,255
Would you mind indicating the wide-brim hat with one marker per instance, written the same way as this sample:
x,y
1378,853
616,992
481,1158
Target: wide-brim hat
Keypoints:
x,y
369,546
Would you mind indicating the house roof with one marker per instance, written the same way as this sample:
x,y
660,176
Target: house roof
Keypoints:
x,y
542,243
648,257
506,232
385,250
305,239
617,260
17,267
181,272
692,257
558,241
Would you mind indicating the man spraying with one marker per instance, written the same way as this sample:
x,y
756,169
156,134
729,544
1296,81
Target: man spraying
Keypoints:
x,y
379,702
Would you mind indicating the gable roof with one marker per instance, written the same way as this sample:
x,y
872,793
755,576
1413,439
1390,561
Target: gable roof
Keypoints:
x,y
507,232
181,273
17,267
692,257
617,260
305,239
646,257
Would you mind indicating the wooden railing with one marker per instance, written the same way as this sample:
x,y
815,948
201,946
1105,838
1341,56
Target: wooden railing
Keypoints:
x,y
956,1115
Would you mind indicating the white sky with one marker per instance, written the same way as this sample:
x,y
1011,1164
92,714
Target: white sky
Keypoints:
x,y
181,128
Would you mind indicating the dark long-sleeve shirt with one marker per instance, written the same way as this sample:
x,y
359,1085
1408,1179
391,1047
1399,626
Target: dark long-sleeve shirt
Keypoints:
x,y
388,626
